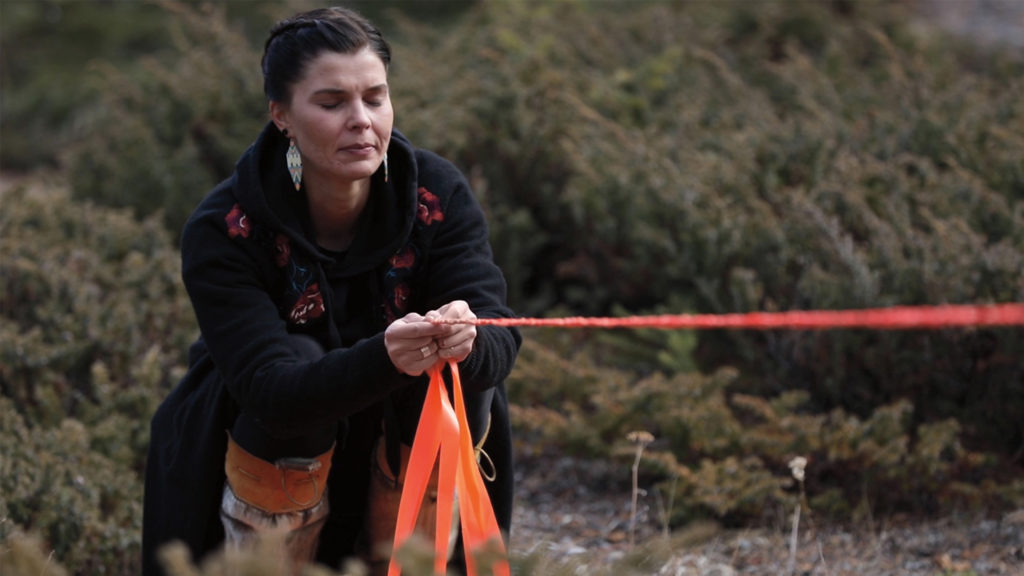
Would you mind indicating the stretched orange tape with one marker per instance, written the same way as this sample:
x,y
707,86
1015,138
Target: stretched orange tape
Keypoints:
x,y
444,433
892,318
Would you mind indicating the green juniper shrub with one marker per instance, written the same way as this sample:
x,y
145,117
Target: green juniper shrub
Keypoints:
x,y
45,51
723,455
94,325
171,125
646,160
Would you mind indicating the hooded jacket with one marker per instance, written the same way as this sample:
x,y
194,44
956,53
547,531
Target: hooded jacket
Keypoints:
x,y
256,278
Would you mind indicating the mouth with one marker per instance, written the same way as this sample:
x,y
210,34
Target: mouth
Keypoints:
x,y
359,148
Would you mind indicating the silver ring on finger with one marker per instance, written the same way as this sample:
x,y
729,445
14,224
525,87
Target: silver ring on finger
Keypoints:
x,y
425,351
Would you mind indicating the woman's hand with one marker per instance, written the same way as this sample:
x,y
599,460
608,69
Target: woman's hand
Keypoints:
x,y
410,343
415,343
455,342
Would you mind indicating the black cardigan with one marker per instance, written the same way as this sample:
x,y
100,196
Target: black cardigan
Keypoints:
x,y
255,277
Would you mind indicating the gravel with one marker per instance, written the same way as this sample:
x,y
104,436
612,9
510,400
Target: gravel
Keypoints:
x,y
575,515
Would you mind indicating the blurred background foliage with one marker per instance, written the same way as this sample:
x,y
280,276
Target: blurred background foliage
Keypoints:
x,y
633,157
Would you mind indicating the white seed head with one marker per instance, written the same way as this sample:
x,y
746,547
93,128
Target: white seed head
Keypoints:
x,y
640,437
797,466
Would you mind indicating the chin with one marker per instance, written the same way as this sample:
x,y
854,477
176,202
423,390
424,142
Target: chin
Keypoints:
x,y
354,173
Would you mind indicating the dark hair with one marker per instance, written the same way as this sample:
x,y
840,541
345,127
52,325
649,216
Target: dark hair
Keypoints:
x,y
294,42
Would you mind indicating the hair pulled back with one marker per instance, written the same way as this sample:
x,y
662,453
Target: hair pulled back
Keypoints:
x,y
294,42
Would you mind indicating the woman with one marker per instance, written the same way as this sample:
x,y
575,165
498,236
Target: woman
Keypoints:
x,y
315,272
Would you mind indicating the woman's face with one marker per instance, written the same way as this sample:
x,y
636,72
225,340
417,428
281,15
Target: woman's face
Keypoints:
x,y
340,116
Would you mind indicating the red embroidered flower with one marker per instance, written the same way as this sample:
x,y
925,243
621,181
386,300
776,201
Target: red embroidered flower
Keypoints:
x,y
309,307
282,250
404,258
238,222
430,207
401,298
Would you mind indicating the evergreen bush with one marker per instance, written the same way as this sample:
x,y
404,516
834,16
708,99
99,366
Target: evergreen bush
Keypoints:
x,y
94,326
45,52
170,127
732,157
724,455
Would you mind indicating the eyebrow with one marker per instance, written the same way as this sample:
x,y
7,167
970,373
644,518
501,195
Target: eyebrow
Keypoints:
x,y
340,91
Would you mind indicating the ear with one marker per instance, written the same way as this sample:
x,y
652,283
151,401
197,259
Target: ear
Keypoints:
x,y
279,115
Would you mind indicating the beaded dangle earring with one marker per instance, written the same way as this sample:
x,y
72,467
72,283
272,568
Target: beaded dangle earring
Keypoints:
x,y
385,166
294,160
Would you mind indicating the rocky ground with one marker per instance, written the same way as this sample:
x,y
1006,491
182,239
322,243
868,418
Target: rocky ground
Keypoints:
x,y
575,517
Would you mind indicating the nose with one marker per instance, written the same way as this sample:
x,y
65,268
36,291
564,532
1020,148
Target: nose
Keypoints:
x,y
360,118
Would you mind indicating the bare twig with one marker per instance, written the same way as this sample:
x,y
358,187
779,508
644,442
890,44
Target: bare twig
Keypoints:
x,y
791,567
796,466
665,510
641,439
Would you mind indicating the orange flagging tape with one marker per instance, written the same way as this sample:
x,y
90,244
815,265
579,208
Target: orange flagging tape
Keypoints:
x,y
443,432
443,436
895,318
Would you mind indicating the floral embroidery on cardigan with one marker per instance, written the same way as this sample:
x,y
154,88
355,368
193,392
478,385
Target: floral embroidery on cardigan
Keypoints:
x,y
397,291
300,281
403,259
429,210
310,306
403,264
238,222
282,250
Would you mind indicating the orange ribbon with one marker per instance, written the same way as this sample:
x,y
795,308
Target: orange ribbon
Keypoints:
x,y
893,318
443,433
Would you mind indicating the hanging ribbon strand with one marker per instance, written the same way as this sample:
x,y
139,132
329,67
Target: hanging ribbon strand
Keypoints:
x,y
443,433
895,318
